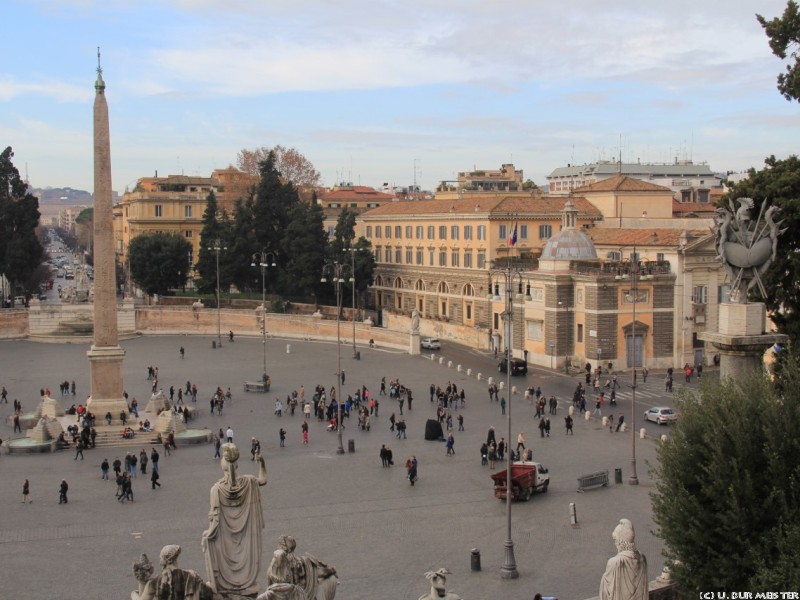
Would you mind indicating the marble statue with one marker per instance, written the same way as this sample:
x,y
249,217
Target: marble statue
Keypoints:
x,y
280,579
438,579
415,321
317,579
626,573
746,248
232,543
173,583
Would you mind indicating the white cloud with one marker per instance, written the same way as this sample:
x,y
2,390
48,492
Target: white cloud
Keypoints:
x,y
59,91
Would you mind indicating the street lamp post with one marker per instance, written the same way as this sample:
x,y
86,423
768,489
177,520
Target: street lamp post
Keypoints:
x,y
634,272
509,568
353,251
217,248
264,259
337,269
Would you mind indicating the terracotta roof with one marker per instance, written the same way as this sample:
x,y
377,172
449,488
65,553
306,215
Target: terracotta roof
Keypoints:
x,y
495,205
623,183
642,237
356,193
692,207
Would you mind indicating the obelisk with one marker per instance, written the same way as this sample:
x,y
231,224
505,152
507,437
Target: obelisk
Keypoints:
x,y
105,355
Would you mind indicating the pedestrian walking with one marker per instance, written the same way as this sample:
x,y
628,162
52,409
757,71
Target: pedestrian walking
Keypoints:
x,y
411,468
503,405
449,445
568,423
541,427
384,456
620,422
26,489
154,477
282,436
79,448
304,428
520,441
104,469
229,435
62,492
461,422
217,446
547,427
154,456
143,461
645,373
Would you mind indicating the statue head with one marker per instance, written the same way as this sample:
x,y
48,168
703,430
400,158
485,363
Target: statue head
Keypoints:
x,y
143,568
230,453
169,555
287,543
624,536
438,579
280,570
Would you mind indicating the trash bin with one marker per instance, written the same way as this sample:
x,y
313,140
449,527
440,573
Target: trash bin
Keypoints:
x,y
617,475
475,559
351,445
213,343
357,355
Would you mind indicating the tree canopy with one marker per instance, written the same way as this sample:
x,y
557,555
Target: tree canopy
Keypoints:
x,y
290,163
159,261
779,183
21,251
784,40
727,497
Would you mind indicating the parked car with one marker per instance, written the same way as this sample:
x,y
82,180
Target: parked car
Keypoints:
x,y
518,366
661,415
431,344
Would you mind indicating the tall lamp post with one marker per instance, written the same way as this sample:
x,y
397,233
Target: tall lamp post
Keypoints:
x,y
337,270
634,478
509,568
353,251
217,248
264,259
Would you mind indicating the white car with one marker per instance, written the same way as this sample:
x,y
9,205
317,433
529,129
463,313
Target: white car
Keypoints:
x,y
661,415
431,344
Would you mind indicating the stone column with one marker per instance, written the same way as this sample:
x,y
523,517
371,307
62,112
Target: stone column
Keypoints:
x,y
105,355
741,340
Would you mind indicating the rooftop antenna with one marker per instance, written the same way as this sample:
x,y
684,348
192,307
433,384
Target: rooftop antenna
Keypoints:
x,y
619,164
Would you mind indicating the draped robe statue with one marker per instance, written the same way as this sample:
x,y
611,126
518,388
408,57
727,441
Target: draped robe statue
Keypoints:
x,y
232,543
626,573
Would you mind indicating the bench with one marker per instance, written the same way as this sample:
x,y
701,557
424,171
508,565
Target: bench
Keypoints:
x,y
256,386
592,480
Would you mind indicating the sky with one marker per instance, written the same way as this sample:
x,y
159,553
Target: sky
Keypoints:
x,y
390,91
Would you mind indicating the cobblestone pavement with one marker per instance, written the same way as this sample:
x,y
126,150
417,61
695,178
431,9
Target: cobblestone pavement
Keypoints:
x,y
381,533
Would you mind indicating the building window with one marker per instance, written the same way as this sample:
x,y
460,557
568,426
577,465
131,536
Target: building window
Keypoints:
x,y
444,308
523,232
430,258
398,231
454,258
454,232
468,315
408,231
481,260
700,294
377,254
398,255
187,234
442,258
545,232
378,231
419,256
331,230
187,211
387,232
481,232
579,334
534,330
409,259
159,210
467,232
442,232
431,232
388,254
468,259
369,231
419,232
502,232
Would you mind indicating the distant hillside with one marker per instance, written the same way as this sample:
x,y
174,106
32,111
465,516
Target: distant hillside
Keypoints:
x,y
66,196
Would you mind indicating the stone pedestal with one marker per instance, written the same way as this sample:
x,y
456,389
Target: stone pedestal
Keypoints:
x,y
105,364
741,340
414,349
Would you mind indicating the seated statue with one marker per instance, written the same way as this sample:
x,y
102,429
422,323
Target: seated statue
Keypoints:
x,y
438,579
279,577
626,573
172,583
317,579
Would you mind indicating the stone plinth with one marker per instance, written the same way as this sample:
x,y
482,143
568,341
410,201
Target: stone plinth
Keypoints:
x,y
741,341
168,421
158,402
414,348
106,373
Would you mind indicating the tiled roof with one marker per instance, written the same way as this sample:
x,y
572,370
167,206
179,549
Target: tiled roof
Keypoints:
x,y
494,205
623,183
642,237
356,193
692,207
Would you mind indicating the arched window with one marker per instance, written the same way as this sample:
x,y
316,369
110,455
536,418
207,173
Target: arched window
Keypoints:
x,y
378,281
468,290
419,285
398,283
443,288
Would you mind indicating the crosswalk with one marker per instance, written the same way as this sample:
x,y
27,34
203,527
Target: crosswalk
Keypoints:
x,y
652,393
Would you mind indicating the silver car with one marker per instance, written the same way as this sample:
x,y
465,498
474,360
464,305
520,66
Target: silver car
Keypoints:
x,y
661,415
431,344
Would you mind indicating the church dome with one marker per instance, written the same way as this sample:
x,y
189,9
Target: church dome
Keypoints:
x,y
570,243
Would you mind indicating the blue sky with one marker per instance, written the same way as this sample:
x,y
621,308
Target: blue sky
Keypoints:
x,y
368,90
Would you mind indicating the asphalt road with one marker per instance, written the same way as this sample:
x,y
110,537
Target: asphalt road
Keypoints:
x,y
380,533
